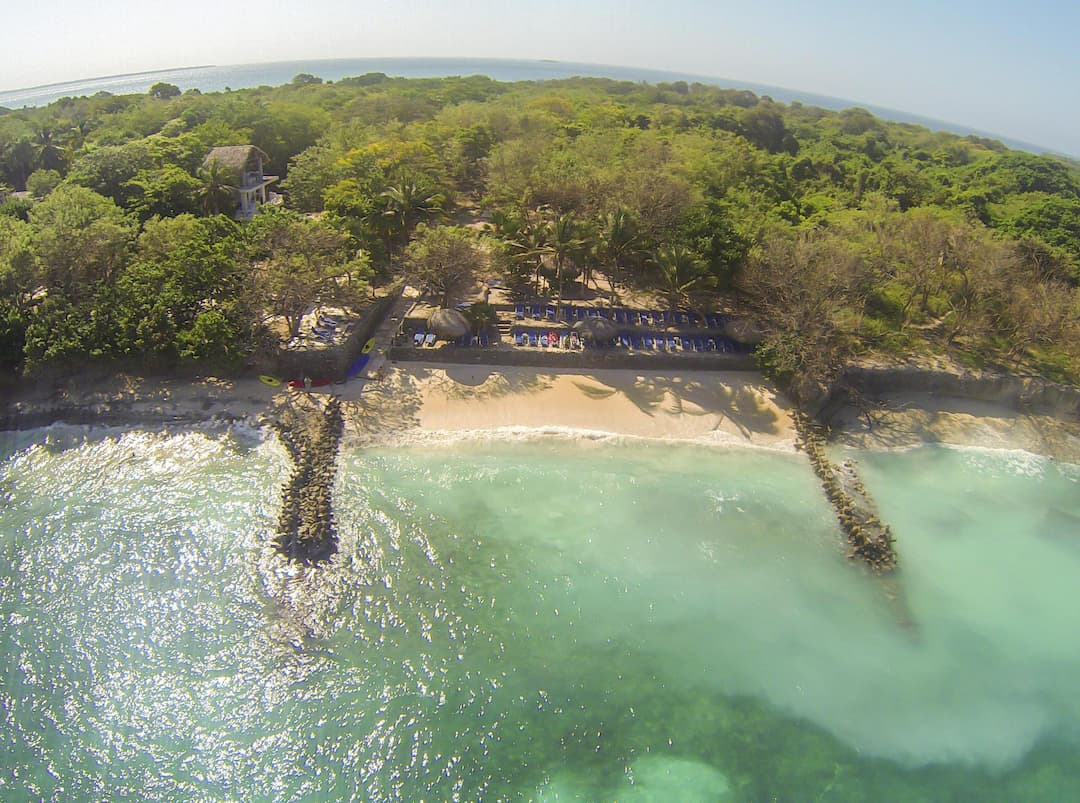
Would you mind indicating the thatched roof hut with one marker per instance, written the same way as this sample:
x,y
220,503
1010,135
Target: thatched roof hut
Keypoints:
x,y
448,323
238,159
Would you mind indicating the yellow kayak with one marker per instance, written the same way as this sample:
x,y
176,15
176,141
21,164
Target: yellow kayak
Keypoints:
x,y
368,347
272,381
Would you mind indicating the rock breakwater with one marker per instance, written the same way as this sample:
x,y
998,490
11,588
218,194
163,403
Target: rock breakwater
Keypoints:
x,y
306,532
871,541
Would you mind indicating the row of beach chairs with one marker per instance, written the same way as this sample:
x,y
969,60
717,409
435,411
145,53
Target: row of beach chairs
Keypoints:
x,y
631,317
675,343
538,338
635,341
428,339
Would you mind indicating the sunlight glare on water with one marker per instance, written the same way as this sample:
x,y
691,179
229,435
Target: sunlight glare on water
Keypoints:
x,y
543,621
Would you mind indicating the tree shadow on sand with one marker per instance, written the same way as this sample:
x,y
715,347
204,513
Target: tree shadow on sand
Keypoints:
x,y
749,407
393,403
483,384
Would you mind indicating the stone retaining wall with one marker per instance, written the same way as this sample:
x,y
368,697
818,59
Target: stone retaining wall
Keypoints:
x,y
589,358
1021,393
334,361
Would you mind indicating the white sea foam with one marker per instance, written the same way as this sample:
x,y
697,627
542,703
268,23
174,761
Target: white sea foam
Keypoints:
x,y
521,434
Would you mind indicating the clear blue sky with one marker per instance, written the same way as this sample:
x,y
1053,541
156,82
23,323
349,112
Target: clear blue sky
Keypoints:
x,y
1009,68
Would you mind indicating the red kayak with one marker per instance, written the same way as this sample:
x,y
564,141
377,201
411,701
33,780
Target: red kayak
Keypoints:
x,y
315,383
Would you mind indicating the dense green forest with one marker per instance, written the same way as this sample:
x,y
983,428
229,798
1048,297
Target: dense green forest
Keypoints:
x,y
842,234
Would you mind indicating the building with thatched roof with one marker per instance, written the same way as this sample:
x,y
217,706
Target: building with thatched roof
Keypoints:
x,y
244,165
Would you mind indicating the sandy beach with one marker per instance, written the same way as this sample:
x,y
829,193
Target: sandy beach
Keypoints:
x,y
908,420
735,408
409,402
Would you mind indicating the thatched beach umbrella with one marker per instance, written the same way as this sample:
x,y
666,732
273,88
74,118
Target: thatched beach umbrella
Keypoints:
x,y
597,329
448,323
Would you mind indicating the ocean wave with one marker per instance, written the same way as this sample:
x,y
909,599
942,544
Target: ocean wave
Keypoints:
x,y
1002,461
585,437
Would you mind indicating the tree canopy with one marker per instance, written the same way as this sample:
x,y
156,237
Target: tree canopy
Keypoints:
x,y
841,232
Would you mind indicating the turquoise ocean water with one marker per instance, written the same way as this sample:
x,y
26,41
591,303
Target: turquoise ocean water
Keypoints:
x,y
553,620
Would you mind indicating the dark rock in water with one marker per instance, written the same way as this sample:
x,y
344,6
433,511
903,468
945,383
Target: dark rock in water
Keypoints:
x,y
306,532
869,539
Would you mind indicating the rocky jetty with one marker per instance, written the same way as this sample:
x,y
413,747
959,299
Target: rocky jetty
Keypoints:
x,y
871,541
306,532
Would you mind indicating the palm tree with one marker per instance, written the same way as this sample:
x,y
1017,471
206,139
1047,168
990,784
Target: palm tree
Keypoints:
x,y
405,205
50,154
18,159
619,240
563,243
682,271
216,195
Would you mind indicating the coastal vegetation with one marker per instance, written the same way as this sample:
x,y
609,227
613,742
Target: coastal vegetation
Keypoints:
x,y
842,235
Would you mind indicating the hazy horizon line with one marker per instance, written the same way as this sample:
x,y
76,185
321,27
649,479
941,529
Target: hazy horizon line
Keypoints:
x,y
837,103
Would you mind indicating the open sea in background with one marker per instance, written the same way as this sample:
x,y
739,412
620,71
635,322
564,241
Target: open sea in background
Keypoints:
x,y
241,76
547,620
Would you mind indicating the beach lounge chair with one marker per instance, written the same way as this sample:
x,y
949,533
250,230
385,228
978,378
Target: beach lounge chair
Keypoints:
x,y
532,339
671,341
485,341
418,339
647,341
636,343
429,339
550,312
536,313
519,311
